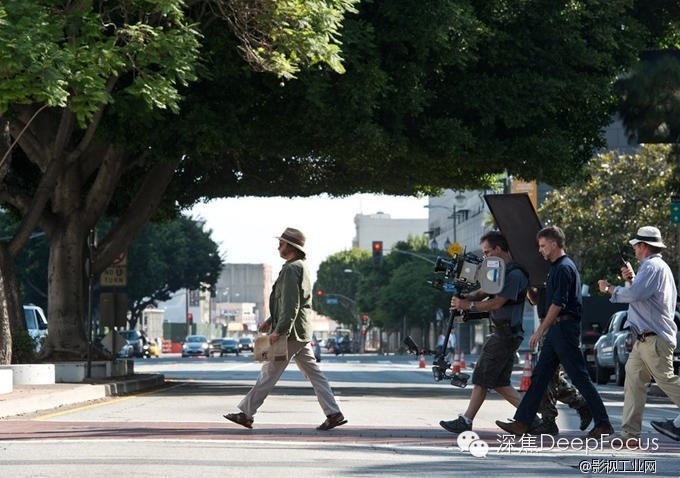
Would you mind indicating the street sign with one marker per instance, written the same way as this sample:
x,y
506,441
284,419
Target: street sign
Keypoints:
x,y
331,301
116,274
675,211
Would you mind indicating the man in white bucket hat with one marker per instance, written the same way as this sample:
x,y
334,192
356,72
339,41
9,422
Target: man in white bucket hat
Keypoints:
x,y
651,300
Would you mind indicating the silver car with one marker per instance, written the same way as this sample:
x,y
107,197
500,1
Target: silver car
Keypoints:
x,y
613,347
196,345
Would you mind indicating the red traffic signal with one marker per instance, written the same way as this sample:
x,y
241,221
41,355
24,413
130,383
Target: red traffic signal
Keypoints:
x,y
377,248
190,318
319,293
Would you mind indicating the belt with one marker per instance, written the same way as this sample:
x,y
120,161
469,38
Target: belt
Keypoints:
x,y
643,336
567,316
505,329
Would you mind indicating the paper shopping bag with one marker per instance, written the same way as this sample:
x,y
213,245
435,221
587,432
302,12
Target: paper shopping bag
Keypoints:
x,y
265,351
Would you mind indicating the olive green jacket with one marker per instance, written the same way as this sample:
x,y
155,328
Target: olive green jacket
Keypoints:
x,y
290,302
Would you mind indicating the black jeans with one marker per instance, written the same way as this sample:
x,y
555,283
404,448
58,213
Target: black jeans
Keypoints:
x,y
561,345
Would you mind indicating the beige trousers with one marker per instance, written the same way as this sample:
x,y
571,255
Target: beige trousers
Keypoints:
x,y
651,358
272,370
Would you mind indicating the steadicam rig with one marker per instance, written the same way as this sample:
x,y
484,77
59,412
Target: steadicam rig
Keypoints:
x,y
462,274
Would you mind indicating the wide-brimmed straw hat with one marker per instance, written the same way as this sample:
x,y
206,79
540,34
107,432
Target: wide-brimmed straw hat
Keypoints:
x,y
649,235
293,237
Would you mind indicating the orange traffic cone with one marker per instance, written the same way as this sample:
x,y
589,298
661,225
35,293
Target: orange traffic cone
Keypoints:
x,y
526,373
462,360
421,362
455,366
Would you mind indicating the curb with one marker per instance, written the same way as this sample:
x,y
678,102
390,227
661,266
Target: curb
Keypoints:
x,y
139,383
27,399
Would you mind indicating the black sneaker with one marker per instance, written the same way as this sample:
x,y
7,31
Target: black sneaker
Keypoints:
x,y
458,425
666,428
545,427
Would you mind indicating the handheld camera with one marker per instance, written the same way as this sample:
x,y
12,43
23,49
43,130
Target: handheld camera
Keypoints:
x,y
467,273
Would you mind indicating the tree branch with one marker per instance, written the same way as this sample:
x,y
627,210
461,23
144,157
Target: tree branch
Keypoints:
x,y
137,215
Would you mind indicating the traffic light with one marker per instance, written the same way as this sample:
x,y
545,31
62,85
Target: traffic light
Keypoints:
x,y
364,319
190,318
377,253
319,293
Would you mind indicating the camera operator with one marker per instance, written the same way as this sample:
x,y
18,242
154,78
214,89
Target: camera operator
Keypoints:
x,y
496,360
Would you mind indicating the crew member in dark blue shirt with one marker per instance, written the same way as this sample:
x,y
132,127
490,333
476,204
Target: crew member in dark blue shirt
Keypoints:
x,y
561,344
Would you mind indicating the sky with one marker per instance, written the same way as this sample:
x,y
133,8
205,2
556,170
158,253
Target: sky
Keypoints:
x,y
245,228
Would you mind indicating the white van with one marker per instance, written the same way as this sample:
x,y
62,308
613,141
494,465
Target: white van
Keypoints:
x,y
36,324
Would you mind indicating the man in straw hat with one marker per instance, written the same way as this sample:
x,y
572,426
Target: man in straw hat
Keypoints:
x,y
290,304
651,299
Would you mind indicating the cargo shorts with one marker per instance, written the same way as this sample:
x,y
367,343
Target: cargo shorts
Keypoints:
x,y
496,361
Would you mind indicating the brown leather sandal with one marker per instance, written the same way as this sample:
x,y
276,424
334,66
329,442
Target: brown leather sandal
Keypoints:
x,y
240,418
332,421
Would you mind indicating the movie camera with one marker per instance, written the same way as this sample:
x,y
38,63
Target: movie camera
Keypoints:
x,y
467,272
462,274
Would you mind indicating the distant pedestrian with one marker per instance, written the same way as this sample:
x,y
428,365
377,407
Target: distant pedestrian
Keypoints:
x,y
562,329
652,298
290,304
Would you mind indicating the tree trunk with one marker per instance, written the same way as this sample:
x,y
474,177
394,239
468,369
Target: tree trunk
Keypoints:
x,y
66,337
69,227
11,306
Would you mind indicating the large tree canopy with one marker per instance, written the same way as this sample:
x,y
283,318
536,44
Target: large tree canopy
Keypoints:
x,y
436,93
75,78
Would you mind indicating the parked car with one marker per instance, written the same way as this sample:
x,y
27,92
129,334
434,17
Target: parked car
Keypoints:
x,y
215,346
229,346
36,324
613,348
316,348
136,341
195,345
246,343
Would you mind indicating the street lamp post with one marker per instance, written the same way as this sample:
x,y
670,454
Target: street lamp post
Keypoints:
x,y
459,200
362,336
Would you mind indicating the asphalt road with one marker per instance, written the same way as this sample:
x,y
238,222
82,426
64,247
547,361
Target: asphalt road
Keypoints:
x,y
392,405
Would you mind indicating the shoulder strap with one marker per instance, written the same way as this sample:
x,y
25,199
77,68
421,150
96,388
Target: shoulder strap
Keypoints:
x,y
523,294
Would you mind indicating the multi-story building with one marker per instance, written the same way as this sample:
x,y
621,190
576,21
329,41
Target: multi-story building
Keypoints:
x,y
382,227
243,284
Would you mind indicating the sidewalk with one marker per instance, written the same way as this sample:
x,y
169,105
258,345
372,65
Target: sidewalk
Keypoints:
x,y
26,399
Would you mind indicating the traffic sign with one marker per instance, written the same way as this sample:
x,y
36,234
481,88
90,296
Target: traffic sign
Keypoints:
x,y
116,274
675,211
